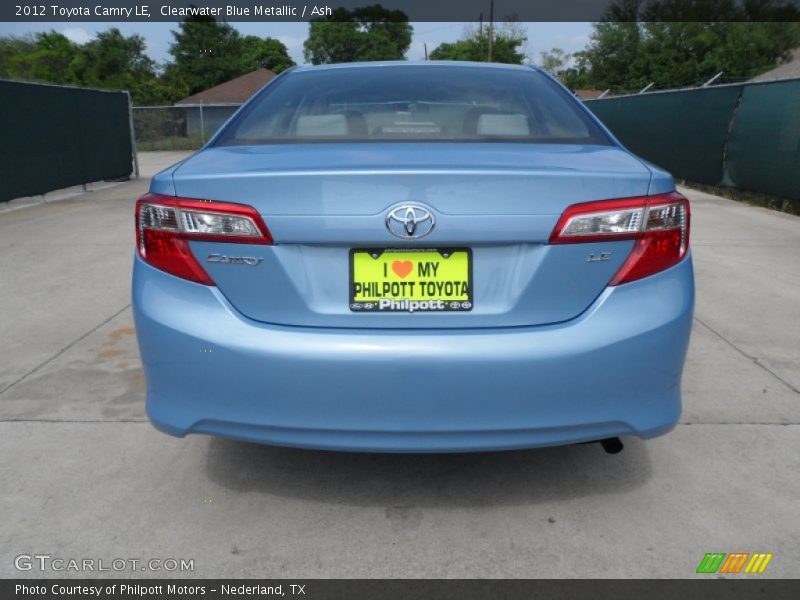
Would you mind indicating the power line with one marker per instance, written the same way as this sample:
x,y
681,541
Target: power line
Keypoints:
x,y
437,29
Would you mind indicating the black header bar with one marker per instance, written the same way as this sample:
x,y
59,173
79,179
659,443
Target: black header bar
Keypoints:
x,y
740,587
116,11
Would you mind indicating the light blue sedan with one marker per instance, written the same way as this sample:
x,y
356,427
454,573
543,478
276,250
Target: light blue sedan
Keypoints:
x,y
413,257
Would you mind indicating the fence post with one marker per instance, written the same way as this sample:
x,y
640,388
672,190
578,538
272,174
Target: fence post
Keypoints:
x,y
133,136
202,125
712,80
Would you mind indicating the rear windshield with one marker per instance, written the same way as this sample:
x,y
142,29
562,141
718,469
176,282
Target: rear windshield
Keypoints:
x,y
412,103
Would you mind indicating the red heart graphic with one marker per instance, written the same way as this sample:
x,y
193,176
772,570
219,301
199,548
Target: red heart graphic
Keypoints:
x,y
402,267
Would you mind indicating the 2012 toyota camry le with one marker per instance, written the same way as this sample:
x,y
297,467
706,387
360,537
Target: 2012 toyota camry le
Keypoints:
x,y
413,257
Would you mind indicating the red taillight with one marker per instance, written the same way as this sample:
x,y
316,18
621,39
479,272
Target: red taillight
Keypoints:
x,y
166,224
659,224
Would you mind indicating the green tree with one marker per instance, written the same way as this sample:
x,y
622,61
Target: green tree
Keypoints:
x,y
363,34
112,60
555,61
684,42
559,64
171,87
14,46
507,44
613,58
205,53
52,58
267,53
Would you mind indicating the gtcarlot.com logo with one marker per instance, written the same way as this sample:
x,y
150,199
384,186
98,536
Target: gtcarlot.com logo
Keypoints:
x,y
735,562
47,562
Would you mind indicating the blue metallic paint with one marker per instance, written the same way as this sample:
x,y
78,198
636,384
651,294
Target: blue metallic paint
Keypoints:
x,y
319,200
614,370
512,284
550,355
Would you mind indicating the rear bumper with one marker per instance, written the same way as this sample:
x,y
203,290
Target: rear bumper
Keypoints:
x,y
613,371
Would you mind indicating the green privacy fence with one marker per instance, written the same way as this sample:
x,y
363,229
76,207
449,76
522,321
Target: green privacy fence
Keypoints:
x,y
745,136
53,137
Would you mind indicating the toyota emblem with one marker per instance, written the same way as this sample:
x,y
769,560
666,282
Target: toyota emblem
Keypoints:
x,y
410,221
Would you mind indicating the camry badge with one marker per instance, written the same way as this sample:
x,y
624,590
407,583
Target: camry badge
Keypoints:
x,y
251,261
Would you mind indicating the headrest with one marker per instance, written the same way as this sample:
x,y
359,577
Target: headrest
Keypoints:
x,y
513,124
321,125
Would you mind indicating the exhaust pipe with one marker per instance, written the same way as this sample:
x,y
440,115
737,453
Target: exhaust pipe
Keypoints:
x,y
612,445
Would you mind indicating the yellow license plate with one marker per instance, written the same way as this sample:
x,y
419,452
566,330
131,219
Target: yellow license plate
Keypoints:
x,y
401,280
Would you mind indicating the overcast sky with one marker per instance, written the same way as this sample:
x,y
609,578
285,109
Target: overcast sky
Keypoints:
x,y
541,36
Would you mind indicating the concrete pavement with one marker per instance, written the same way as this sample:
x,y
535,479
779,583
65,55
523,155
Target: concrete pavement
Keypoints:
x,y
84,474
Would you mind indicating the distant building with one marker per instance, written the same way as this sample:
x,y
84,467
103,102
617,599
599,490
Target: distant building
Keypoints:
x,y
785,71
589,94
222,100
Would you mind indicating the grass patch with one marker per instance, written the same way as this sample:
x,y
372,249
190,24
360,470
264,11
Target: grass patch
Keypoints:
x,y
170,143
778,203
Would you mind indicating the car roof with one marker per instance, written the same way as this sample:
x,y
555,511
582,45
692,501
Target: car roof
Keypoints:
x,y
412,63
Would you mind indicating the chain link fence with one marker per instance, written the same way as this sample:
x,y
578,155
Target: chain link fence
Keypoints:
x,y
180,127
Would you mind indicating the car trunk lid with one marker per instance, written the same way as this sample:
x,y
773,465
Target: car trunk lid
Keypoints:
x,y
500,200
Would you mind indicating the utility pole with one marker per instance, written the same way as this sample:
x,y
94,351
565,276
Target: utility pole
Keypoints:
x,y
491,28
480,25
425,44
